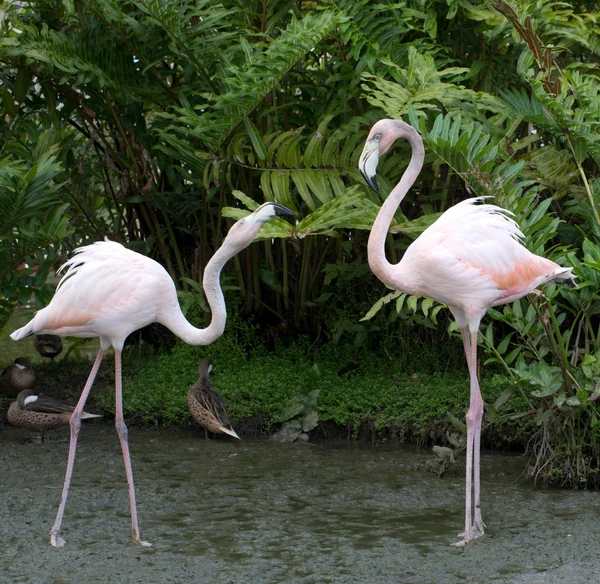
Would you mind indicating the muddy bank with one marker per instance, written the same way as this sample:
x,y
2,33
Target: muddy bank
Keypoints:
x,y
259,511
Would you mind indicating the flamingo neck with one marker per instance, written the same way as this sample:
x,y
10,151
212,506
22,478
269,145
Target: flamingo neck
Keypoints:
x,y
384,270
179,325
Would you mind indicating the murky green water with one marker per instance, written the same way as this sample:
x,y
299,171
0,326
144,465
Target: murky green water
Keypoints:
x,y
262,512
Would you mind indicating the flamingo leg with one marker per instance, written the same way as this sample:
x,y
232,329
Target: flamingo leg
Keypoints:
x,y
478,525
473,529
464,332
75,424
122,432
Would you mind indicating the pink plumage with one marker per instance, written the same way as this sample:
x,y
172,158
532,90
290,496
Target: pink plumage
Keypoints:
x,y
107,291
471,258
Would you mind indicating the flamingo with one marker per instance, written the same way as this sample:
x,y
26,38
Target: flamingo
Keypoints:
x,y
470,259
109,291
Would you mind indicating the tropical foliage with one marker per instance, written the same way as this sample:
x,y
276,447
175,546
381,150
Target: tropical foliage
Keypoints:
x,y
156,122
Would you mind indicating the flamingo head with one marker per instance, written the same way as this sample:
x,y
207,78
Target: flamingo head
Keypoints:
x,y
382,135
243,231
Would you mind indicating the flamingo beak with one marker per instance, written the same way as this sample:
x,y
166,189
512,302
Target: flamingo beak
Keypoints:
x,y
268,211
368,163
283,212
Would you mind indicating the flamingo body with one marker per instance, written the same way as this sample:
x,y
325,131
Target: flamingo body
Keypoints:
x,y
471,258
108,291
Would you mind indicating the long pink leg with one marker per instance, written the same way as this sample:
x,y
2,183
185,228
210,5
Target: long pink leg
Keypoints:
x,y
478,525
75,423
473,418
464,332
122,432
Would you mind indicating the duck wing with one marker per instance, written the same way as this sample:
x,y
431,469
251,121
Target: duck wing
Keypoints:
x,y
214,402
49,405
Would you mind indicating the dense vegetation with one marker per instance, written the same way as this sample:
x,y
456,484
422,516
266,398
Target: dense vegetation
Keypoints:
x,y
156,122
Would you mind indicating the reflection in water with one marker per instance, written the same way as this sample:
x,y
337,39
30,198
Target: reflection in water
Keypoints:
x,y
261,511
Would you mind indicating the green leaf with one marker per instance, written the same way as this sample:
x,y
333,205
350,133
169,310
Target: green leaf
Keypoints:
x,y
257,142
22,83
503,398
379,305
411,303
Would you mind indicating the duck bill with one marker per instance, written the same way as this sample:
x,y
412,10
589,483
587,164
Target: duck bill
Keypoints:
x,y
229,431
368,163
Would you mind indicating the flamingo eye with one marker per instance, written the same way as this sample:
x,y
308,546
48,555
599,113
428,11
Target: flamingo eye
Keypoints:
x,y
377,137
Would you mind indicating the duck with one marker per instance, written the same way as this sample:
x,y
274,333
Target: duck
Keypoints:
x,y
39,413
207,405
16,378
48,345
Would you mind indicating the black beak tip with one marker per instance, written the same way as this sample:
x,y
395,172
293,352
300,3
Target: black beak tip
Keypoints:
x,y
283,212
372,182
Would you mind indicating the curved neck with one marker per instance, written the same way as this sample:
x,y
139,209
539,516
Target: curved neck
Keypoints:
x,y
376,247
178,324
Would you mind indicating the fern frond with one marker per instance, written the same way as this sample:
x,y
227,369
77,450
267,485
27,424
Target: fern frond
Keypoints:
x,y
245,87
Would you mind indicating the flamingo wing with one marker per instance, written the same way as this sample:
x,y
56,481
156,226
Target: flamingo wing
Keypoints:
x,y
472,258
107,290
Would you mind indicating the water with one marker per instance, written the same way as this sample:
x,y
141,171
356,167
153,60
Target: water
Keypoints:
x,y
258,511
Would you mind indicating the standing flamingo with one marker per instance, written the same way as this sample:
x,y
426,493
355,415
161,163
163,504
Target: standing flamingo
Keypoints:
x,y
471,258
110,291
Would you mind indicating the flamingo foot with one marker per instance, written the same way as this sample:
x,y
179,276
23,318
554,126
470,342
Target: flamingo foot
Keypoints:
x,y
477,530
138,539
56,540
478,524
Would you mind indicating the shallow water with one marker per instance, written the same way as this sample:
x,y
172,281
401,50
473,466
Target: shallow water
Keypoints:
x,y
258,511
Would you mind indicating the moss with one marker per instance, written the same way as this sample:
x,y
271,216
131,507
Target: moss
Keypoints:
x,y
257,385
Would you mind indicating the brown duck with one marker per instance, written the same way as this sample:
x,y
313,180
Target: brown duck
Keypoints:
x,y
207,406
48,345
15,378
40,413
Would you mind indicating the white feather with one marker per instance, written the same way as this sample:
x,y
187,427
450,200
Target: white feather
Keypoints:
x,y
30,399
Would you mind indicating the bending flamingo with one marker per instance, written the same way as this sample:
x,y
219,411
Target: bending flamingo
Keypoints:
x,y
471,258
109,291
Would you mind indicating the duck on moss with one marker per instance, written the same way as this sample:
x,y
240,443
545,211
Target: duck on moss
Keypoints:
x,y
39,413
16,378
207,406
48,346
